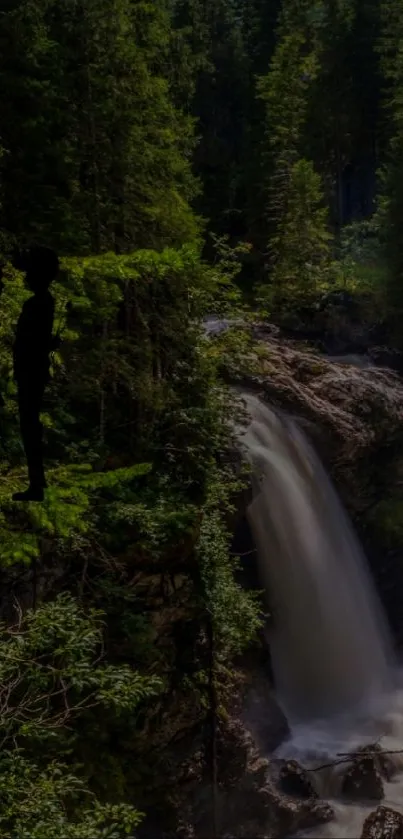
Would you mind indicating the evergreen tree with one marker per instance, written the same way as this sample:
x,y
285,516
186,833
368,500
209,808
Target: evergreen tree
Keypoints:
x,y
102,157
390,213
220,105
333,119
301,243
298,237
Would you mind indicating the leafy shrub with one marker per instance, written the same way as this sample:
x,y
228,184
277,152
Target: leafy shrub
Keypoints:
x,y
52,671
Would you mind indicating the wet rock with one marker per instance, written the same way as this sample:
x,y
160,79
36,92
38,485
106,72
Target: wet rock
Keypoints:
x,y
294,780
356,409
382,761
262,810
294,816
354,418
263,716
363,781
248,801
383,823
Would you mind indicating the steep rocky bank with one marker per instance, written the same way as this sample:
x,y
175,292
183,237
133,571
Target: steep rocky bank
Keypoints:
x,y
353,415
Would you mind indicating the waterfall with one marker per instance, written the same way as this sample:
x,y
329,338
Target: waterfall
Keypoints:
x,y
329,640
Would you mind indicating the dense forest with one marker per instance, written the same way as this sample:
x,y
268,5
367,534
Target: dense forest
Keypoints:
x,y
183,157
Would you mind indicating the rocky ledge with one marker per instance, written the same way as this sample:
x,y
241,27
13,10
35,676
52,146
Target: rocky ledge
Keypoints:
x,y
356,409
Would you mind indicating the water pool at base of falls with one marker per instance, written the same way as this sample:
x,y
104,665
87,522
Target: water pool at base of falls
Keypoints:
x,y
316,744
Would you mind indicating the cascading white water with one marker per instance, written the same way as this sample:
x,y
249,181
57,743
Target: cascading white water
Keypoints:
x,y
329,642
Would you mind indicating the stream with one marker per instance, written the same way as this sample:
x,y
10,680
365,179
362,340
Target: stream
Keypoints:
x,y
317,743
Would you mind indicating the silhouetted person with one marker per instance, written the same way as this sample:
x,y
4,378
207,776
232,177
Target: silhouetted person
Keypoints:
x,y
1,292
32,348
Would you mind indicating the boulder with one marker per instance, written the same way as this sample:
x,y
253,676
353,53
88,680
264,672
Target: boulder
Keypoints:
x,y
294,780
382,761
363,781
248,802
293,816
262,810
383,823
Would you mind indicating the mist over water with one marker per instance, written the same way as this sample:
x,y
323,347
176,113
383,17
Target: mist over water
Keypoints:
x,y
330,643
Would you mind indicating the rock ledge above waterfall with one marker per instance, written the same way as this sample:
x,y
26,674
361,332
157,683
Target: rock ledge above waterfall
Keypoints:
x,y
357,407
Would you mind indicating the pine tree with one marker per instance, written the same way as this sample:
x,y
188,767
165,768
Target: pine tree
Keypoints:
x,y
36,175
220,105
297,220
390,212
333,118
301,244
102,158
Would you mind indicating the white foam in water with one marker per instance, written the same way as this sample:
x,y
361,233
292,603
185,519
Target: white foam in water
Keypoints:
x,y
334,669
316,744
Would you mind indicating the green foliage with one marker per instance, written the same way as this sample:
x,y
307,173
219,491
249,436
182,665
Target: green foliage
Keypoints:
x,y
133,335
299,236
211,35
70,510
285,91
52,671
98,122
137,421
301,243
390,206
360,242
121,123
235,613
230,349
34,804
362,269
